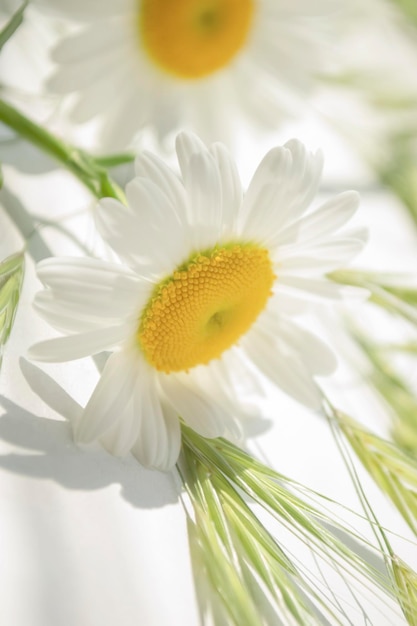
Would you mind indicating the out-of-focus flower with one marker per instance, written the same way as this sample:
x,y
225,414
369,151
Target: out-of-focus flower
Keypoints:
x,y
209,281
24,61
199,64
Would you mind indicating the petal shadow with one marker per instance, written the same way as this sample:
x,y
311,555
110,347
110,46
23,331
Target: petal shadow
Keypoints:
x,y
45,450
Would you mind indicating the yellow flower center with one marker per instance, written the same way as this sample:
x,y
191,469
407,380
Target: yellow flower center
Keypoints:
x,y
205,306
193,38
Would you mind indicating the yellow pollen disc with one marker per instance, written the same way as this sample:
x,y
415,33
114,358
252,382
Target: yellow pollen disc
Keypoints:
x,y
193,38
205,307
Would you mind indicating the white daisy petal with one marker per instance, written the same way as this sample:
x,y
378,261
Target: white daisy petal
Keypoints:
x,y
77,48
93,9
316,355
63,318
83,306
231,188
282,188
137,421
199,411
301,178
124,114
359,234
100,90
88,288
80,74
202,183
119,438
149,166
174,437
214,379
95,269
132,232
319,288
305,178
308,267
159,439
237,373
327,219
272,170
186,145
282,303
330,254
111,400
285,370
74,347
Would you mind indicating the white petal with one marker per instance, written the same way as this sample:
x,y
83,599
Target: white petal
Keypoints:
x,y
322,257
321,288
174,437
159,440
124,115
165,106
281,189
281,303
289,8
89,289
285,370
63,318
120,438
89,41
313,352
327,219
305,178
272,170
360,234
186,145
202,183
148,235
93,9
150,166
111,400
216,381
74,347
59,268
125,414
194,406
78,75
90,98
231,188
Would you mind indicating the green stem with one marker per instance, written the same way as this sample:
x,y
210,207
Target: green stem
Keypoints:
x,y
82,165
113,160
13,24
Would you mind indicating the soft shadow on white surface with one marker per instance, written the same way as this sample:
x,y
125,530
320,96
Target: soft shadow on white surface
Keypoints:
x,y
25,224
52,455
73,551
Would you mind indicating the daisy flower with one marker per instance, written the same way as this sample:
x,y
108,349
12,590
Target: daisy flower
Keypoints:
x,y
165,64
204,293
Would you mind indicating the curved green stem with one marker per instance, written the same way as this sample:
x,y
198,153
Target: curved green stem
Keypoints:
x,y
81,164
113,160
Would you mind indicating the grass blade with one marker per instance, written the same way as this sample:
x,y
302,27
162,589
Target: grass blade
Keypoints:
x,y
11,279
223,483
12,25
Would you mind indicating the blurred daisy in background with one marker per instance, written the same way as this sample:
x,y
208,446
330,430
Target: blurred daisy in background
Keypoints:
x,y
24,65
24,59
197,64
208,282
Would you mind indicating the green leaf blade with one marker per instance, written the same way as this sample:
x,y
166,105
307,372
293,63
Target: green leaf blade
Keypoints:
x,y
11,280
12,25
